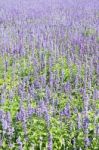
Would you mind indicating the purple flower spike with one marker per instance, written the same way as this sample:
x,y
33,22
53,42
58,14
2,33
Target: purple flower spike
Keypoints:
x,y
50,142
66,111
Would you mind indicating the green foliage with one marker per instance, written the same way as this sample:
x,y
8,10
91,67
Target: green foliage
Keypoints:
x,y
89,32
61,65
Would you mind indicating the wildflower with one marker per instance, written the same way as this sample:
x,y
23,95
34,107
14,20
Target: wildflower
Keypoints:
x,y
85,122
21,115
66,111
87,142
19,143
50,142
79,121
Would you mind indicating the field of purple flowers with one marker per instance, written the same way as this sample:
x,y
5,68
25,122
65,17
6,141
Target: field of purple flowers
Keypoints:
x,y
49,75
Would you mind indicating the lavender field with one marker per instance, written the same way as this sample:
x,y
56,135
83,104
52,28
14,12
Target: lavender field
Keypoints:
x,y
49,75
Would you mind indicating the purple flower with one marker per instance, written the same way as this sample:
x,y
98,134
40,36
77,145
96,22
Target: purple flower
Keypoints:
x,y
43,107
97,129
67,87
4,124
1,141
50,142
31,111
85,122
66,111
43,110
2,100
43,81
10,129
95,94
8,117
36,84
47,118
87,142
51,80
1,114
79,121
48,93
19,143
21,115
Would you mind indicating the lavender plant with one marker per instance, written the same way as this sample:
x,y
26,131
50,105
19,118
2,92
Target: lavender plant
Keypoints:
x,y
49,75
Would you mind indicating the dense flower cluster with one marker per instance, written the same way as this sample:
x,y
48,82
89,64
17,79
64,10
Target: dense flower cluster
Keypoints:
x,y
49,75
